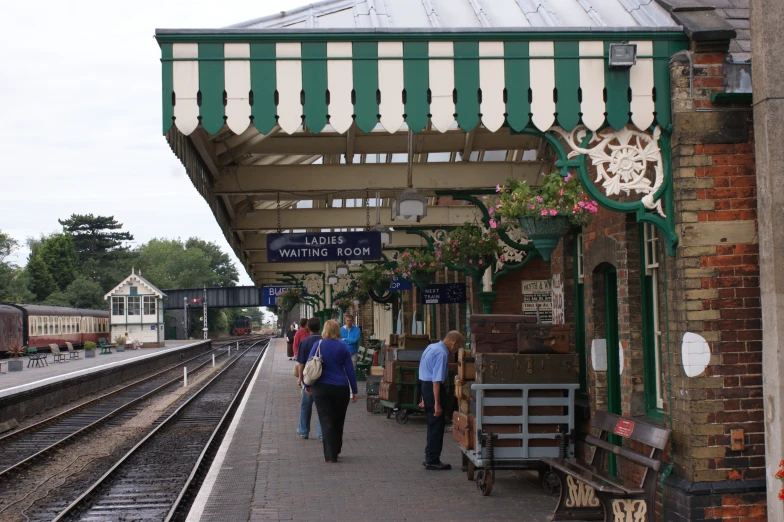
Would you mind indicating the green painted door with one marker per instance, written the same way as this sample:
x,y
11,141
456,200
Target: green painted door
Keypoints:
x,y
613,359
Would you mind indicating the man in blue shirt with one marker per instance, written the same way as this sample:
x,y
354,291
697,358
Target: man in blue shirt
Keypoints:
x,y
350,334
306,407
433,373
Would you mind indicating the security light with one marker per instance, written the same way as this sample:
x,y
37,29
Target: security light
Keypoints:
x,y
386,235
332,279
409,206
355,262
341,270
622,54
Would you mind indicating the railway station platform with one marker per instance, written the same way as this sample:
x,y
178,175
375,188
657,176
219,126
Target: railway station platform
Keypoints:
x,y
265,471
36,376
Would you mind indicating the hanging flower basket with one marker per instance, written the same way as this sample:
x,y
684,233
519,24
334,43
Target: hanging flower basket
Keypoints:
x,y
343,304
287,300
418,266
375,278
545,232
545,212
468,249
422,279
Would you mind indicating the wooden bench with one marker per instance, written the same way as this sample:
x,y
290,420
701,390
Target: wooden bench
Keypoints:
x,y
588,492
73,354
364,361
57,355
106,349
33,356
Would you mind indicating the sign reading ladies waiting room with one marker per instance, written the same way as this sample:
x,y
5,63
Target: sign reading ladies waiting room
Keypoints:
x,y
323,246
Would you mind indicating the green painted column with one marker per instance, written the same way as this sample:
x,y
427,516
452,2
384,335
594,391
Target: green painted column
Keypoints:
x,y
487,299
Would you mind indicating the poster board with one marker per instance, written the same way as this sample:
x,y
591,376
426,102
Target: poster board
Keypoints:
x,y
537,294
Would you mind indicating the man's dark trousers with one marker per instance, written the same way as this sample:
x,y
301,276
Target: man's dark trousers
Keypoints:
x,y
435,425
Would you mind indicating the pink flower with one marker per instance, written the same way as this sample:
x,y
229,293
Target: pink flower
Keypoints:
x,y
544,212
498,206
493,223
480,241
581,204
553,212
490,210
561,192
498,188
480,261
539,199
594,203
568,177
470,261
531,207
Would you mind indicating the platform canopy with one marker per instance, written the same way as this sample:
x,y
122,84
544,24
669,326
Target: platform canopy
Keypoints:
x,y
315,107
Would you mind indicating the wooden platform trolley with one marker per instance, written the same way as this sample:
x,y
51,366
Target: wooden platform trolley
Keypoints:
x,y
516,425
400,395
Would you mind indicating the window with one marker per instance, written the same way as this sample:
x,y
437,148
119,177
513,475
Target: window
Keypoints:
x,y
134,290
118,306
149,305
651,326
134,305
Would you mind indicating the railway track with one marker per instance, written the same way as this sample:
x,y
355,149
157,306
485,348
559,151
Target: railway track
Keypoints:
x,y
156,478
25,446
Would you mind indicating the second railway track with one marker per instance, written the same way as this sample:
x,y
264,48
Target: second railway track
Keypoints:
x,y
153,480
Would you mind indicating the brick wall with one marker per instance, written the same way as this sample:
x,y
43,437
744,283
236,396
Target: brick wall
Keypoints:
x,y
510,286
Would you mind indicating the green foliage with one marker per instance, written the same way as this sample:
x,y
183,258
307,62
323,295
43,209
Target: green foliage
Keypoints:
x,y
57,298
95,236
555,196
219,261
84,293
417,261
41,281
119,339
7,246
343,304
89,345
288,299
469,248
374,277
168,263
57,252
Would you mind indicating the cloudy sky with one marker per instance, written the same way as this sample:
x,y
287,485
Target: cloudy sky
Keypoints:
x,y
81,129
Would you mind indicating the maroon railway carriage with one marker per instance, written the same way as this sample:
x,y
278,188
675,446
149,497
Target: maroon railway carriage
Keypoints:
x,y
45,325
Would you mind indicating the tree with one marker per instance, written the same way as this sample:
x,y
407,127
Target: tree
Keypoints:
x,y
57,252
168,263
41,281
57,298
7,246
219,261
95,235
84,293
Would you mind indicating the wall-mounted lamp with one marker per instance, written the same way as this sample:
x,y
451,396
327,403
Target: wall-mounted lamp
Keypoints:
x,y
622,54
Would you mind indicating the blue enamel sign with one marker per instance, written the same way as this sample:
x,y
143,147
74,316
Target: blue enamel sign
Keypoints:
x,y
323,246
400,284
446,293
271,293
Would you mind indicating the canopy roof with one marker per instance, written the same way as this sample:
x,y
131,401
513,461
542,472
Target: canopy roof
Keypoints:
x,y
313,107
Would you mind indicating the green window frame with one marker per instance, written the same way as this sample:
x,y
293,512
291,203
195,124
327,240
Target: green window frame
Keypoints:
x,y
651,326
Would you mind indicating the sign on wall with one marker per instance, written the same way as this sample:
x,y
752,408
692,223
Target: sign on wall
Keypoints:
x,y
559,315
271,293
400,284
323,246
538,296
445,293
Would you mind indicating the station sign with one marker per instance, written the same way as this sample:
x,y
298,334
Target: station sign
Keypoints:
x,y
323,246
445,293
271,293
400,284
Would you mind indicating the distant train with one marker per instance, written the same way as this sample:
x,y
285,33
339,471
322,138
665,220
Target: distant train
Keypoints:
x,y
243,326
37,326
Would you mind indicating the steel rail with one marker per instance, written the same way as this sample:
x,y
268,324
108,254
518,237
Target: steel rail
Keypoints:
x,y
85,496
96,423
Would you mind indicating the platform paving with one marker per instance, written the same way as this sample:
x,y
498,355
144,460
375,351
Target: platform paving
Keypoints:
x,y
34,376
267,472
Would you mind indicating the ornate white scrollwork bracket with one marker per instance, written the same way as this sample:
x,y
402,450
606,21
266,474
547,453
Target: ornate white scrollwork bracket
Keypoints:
x,y
344,285
622,159
314,284
629,510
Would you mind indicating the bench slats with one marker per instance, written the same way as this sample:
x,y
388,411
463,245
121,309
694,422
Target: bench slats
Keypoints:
x,y
645,433
595,478
626,453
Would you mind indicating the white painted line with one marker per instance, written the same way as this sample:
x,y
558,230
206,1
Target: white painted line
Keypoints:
x,y
61,377
197,509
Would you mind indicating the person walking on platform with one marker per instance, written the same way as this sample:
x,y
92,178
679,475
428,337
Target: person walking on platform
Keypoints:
x,y
334,389
313,327
302,333
350,334
290,334
433,373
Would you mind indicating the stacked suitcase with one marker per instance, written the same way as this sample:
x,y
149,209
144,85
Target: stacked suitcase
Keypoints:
x,y
511,349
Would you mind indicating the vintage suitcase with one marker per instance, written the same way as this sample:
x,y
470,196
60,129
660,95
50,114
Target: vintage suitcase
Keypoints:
x,y
543,338
464,406
408,374
393,339
413,342
493,343
498,323
499,368
407,355
372,385
373,404
389,392
377,371
506,429
461,430
462,389
466,369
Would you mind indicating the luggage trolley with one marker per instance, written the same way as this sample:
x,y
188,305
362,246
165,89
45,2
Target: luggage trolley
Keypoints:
x,y
545,429
408,397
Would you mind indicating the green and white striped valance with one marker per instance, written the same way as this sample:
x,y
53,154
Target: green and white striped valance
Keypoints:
x,y
536,84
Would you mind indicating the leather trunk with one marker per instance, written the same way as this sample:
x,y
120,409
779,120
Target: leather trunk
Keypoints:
x,y
543,338
497,323
466,367
389,392
493,343
373,405
406,374
499,368
413,342
461,430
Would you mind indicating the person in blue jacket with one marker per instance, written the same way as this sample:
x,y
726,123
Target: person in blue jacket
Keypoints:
x,y
350,334
334,389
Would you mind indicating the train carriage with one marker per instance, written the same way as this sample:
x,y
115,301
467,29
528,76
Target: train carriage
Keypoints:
x,y
41,325
243,326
